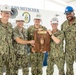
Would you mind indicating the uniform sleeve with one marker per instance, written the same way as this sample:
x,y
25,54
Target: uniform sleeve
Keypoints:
x,y
44,28
15,34
62,27
28,38
28,33
61,36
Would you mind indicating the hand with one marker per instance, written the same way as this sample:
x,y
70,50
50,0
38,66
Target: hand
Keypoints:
x,y
33,50
44,52
50,32
32,42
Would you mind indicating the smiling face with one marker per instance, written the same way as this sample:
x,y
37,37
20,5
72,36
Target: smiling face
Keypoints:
x,y
20,23
54,26
37,21
5,15
70,16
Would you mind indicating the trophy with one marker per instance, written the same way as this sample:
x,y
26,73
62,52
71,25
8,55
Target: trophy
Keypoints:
x,y
42,41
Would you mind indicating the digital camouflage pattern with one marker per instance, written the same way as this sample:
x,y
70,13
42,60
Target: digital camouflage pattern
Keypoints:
x,y
36,63
21,55
20,48
70,45
36,59
30,31
56,55
6,48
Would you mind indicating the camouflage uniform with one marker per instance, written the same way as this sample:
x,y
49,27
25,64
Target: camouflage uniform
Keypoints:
x,y
6,48
70,45
56,55
35,58
21,54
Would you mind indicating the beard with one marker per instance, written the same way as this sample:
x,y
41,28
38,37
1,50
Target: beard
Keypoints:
x,y
70,18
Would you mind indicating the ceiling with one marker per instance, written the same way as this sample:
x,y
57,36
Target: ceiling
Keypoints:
x,y
55,5
68,1
65,3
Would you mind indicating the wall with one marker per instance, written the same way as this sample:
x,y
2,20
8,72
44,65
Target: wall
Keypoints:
x,y
46,16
